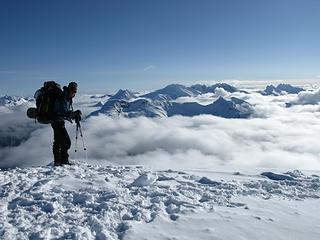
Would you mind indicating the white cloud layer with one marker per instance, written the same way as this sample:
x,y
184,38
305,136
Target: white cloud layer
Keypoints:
x,y
204,141
278,137
310,97
206,98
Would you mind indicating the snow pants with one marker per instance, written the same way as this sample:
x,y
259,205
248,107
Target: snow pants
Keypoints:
x,y
61,143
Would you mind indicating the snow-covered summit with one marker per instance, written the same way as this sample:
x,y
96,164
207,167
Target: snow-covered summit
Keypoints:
x,y
120,202
122,95
173,91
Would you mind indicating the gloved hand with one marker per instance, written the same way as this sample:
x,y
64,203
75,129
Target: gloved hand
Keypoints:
x,y
76,115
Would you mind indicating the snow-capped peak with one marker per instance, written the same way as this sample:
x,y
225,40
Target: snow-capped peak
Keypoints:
x,y
123,95
7,100
173,91
161,103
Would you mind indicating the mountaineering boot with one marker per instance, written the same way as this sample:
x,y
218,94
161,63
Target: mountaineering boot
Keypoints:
x,y
65,157
57,157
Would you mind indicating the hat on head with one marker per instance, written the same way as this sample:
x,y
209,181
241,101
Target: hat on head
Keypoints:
x,y
73,86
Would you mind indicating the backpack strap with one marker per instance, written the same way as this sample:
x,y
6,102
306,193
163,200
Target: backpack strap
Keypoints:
x,y
71,102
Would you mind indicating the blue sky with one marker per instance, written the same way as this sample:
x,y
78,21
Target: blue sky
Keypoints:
x,y
146,44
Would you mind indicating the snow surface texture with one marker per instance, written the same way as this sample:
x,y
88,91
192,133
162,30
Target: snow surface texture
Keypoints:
x,y
96,202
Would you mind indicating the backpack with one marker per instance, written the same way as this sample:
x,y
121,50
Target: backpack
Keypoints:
x,y
45,99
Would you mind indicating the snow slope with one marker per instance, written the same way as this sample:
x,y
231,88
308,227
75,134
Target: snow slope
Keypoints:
x,y
129,202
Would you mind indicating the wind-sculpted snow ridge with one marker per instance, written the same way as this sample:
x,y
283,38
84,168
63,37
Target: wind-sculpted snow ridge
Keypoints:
x,y
95,202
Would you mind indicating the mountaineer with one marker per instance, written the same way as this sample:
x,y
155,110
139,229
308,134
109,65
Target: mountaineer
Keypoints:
x,y
54,106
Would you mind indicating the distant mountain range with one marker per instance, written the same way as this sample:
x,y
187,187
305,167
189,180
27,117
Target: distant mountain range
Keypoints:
x,y
175,91
9,104
281,89
165,102
160,103
11,101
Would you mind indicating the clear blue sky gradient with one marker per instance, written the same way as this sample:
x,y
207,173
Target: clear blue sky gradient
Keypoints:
x,y
145,44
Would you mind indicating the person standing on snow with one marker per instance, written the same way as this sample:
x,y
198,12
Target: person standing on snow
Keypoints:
x,y
62,111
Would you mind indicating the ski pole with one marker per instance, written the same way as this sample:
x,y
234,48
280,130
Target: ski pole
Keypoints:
x,y
75,150
81,135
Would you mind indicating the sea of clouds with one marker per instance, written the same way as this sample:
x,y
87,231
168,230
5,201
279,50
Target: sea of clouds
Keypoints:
x,y
275,137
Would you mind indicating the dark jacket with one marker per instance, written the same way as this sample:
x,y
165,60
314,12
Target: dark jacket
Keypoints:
x,y
63,106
